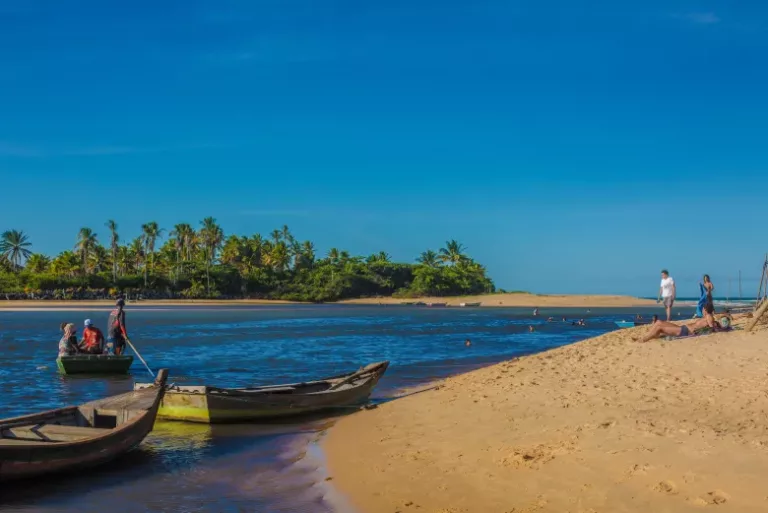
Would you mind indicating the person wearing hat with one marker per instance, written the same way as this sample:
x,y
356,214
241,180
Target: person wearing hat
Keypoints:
x,y
116,332
93,339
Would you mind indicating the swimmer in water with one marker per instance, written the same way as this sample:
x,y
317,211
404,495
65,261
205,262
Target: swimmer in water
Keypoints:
x,y
467,343
531,329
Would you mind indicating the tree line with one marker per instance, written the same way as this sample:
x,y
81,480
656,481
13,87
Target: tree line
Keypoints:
x,y
185,262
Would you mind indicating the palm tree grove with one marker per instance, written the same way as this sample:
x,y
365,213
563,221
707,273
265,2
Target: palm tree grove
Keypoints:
x,y
193,262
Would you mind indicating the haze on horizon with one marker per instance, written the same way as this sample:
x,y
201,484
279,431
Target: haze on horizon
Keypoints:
x,y
570,149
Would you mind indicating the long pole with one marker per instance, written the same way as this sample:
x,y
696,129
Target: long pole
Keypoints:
x,y
139,355
740,296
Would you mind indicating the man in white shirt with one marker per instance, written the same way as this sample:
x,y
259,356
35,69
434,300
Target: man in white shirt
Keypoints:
x,y
667,292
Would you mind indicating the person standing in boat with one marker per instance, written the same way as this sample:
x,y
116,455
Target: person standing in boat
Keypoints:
x,y
93,339
116,332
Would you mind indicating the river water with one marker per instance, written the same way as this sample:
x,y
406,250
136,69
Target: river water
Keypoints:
x,y
274,467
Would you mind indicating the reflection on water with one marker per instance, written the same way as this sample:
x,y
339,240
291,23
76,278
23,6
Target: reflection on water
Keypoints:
x,y
185,467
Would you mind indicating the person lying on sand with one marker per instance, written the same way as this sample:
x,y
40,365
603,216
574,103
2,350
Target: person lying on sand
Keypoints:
x,y
664,328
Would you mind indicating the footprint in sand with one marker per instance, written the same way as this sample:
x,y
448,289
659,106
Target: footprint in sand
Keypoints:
x,y
713,498
668,487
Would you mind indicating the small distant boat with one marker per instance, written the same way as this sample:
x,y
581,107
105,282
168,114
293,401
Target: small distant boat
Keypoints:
x,y
437,304
94,364
470,304
408,303
78,436
419,303
211,405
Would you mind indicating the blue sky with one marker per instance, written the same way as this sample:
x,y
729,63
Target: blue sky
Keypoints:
x,y
571,146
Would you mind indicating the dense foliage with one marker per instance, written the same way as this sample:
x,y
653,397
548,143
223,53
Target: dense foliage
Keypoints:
x,y
203,263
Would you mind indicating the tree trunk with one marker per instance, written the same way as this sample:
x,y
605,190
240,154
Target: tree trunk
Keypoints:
x,y
757,315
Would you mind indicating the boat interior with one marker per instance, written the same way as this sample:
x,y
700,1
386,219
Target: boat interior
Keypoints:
x,y
67,425
77,422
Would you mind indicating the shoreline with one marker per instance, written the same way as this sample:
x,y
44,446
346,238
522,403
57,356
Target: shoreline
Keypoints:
x,y
605,424
490,300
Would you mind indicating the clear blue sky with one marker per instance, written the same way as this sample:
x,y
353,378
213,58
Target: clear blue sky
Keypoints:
x,y
571,146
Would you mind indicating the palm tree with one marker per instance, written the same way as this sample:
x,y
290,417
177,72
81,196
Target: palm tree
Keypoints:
x,y
429,258
114,239
334,255
453,252
86,241
276,236
14,245
150,233
211,236
307,254
67,264
136,250
38,263
99,258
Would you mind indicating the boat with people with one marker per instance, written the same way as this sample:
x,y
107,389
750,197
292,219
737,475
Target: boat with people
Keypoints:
x,y
208,404
94,364
78,436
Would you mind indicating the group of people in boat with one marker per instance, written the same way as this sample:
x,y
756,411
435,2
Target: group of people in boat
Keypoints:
x,y
93,341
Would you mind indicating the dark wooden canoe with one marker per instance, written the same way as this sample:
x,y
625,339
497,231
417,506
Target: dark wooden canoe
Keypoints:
x,y
217,405
94,364
78,436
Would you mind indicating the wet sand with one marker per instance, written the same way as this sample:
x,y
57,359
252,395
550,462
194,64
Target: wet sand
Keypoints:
x,y
502,300
520,300
603,425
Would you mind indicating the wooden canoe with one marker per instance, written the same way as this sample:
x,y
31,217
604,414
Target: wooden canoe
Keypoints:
x,y
78,436
469,304
94,364
213,405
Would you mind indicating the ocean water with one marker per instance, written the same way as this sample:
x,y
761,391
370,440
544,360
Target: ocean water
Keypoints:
x,y
270,467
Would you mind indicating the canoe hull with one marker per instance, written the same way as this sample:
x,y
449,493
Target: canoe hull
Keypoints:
x,y
94,364
210,407
24,458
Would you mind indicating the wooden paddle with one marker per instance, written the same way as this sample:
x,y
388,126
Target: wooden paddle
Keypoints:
x,y
139,355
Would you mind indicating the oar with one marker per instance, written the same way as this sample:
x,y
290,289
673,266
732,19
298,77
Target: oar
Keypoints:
x,y
139,355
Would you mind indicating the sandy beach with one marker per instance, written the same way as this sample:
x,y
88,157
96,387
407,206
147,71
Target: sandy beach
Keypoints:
x,y
606,425
521,299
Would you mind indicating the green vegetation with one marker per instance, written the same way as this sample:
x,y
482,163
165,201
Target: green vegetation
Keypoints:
x,y
204,263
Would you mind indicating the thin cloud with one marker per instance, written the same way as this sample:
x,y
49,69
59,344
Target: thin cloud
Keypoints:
x,y
9,149
700,18
276,213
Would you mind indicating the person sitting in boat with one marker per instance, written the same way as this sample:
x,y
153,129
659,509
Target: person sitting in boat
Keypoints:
x,y
93,339
68,343
116,332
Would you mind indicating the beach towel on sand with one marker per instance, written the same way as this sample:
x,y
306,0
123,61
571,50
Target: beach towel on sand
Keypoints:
x,y
702,301
702,331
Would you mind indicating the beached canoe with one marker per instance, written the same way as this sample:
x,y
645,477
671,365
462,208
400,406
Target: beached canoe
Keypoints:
x,y
469,304
437,304
94,364
78,436
218,405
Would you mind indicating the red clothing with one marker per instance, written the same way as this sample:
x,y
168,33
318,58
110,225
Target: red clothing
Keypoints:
x,y
93,340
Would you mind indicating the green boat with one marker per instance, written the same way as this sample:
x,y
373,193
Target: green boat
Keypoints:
x,y
94,364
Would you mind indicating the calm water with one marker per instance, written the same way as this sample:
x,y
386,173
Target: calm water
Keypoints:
x,y
255,468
